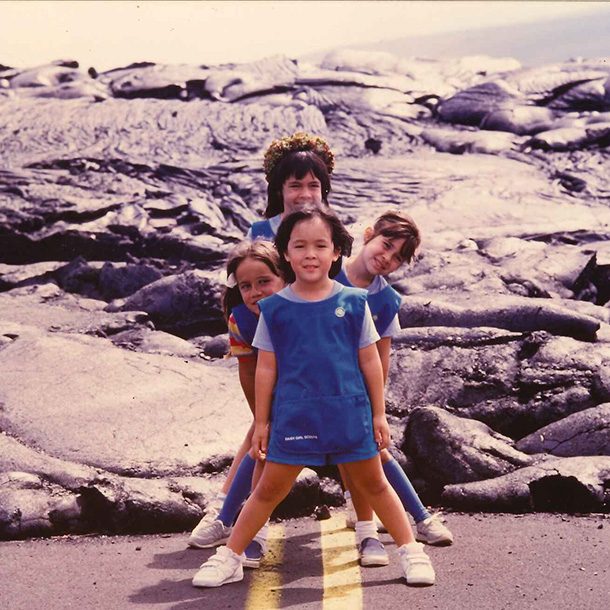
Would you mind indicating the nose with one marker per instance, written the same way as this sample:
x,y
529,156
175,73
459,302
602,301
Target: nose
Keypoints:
x,y
304,195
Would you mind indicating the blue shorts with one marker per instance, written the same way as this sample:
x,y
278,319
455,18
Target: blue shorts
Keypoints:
x,y
320,459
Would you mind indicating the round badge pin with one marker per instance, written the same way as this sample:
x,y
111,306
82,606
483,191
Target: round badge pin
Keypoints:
x,y
339,312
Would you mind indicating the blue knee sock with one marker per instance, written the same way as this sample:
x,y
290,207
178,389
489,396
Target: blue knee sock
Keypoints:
x,y
238,492
406,492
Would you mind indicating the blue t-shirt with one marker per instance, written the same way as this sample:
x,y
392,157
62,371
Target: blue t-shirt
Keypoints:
x,y
368,334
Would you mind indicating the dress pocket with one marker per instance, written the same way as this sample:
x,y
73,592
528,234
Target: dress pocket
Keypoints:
x,y
322,424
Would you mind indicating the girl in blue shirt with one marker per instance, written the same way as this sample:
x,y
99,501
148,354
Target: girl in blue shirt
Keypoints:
x,y
319,389
388,244
297,170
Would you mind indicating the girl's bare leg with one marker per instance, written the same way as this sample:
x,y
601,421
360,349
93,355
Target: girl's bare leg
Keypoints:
x,y
274,485
258,473
363,509
368,477
239,456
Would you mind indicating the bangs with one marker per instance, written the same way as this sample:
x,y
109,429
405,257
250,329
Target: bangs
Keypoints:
x,y
302,164
411,240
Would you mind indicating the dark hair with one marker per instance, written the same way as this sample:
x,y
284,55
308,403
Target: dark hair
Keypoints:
x,y
396,225
341,239
258,249
297,164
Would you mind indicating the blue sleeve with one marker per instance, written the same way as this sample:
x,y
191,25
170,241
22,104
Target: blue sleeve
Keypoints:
x,y
262,339
368,333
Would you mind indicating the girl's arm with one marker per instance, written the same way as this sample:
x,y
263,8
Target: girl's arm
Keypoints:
x,y
266,375
247,371
370,365
384,347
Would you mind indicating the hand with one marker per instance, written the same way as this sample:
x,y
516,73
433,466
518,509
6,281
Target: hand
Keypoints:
x,y
260,440
381,432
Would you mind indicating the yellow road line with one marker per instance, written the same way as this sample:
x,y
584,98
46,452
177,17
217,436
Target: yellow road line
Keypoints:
x,y
265,590
342,582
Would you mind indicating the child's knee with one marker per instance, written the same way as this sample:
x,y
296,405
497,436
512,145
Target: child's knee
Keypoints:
x,y
270,492
373,485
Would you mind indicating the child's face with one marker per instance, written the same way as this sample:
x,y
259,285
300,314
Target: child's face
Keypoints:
x,y
300,192
256,281
382,254
311,251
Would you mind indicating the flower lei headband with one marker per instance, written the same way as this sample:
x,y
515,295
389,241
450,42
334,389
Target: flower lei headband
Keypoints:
x,y
297,142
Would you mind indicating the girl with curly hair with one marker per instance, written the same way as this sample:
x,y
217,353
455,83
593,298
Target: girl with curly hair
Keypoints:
x,y
297,169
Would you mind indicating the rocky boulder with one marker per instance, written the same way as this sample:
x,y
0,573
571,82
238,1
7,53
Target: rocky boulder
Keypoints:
x,y
451,449
584,433
576,484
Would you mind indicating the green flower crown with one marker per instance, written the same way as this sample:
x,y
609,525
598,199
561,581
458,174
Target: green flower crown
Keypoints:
x,y
297,142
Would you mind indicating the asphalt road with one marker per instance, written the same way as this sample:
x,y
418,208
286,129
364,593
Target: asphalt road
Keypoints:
x,y
498,562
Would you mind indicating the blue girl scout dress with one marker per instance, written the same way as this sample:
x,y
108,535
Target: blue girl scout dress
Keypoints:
x,y
321,413
384,304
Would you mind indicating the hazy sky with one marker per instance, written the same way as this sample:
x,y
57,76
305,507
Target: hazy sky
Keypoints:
x,y
111,34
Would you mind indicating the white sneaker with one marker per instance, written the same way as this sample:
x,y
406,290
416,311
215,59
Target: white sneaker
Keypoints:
x,y
223,567
432,531
416,565
207,535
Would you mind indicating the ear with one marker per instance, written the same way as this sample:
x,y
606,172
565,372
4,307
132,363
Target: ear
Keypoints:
x,y
369,233
336,254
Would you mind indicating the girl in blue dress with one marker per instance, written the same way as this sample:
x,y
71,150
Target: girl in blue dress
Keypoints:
x,y
319,393
297,170
391,242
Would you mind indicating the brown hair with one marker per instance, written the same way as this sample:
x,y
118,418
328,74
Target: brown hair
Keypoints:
x,y
259,250
396,225
297,164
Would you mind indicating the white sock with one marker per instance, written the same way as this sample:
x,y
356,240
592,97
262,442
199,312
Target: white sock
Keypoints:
x,y
232,554
366,529
412,547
